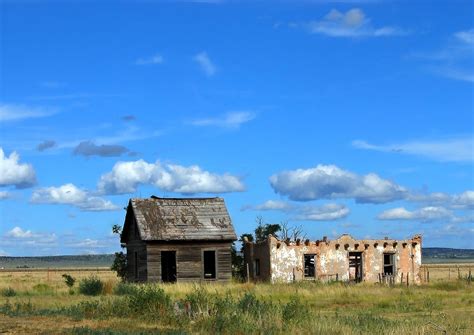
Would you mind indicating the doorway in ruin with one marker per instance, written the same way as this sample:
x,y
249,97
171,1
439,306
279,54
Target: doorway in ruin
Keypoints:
x,y
388,264
355,266
168,266
309,266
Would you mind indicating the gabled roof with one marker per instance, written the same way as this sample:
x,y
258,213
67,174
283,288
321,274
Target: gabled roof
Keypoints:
x,y
181,219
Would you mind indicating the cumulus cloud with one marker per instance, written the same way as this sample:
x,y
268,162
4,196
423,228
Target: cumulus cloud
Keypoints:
x,y
48,144
13,173
125,177
331,182
155,59
12,112
458,149
228,120
424,214
89,148
352,23
207,66
69,194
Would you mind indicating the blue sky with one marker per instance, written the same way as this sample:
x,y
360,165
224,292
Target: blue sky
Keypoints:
x,y
339,116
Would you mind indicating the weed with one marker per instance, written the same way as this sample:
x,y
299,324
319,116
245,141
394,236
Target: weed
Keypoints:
x,y
8,292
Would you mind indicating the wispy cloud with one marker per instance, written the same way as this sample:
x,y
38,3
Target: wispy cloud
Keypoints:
x,y
455,149
453,60
228,120
12,112
326,212
424,214
207,66
4,195
353,23
155,59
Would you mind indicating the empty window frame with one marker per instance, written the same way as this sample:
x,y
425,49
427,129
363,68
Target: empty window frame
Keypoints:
x,y
309,266
209,257
388,264
256,267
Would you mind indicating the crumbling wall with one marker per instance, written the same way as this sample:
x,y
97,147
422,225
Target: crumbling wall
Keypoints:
x,y
283,261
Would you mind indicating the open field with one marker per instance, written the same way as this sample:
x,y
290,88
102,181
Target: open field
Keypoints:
x,y
40,302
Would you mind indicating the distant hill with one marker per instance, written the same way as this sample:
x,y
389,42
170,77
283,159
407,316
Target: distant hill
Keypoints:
x,y
430,255
72,261
447,255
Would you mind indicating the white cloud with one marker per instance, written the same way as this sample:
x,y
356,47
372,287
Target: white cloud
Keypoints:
x,y
17,232
228,120
425,214
352,23
331,182
205,63
10,112
125,177
13,173
466,36
457,149
4,195
69,194
155,59
327,212
464,200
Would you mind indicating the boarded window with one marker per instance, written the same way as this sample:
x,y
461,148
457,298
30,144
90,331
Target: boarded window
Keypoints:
x,y
309,268
209,264
388,264
256,266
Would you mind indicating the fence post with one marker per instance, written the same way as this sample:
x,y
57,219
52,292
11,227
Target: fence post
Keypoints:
x,y
459,273
428,273
248,272
408,277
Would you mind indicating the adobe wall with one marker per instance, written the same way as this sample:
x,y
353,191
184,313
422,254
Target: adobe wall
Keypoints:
x,y
285,259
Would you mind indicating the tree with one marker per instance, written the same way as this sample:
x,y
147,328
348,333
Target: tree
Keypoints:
x,y
264,229
120,259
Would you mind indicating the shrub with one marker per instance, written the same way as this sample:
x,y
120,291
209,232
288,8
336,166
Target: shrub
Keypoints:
x,y
91,286
125,289
69,280
150,301
8,292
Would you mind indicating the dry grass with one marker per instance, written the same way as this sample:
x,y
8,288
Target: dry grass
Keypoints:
x,y
335,308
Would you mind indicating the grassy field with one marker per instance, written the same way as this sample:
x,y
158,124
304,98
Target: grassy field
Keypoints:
x,y
39,302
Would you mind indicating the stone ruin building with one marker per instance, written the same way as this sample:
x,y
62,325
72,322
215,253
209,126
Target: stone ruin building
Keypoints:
x,y
343,259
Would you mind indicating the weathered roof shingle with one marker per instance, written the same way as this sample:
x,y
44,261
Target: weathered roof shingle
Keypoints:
x,y
168,219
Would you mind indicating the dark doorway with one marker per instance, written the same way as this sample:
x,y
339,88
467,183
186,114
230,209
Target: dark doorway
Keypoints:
x,y
209,264
309,269
168,266
388,264
355,266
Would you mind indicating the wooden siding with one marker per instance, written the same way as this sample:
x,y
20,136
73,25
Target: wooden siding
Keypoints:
x,y
189,260
136,245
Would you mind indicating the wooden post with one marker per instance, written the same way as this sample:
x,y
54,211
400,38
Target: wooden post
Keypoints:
x,y
337,276
449,273
248,273
408,279
401,280
380,279
459,273
469,277
48,274
428,275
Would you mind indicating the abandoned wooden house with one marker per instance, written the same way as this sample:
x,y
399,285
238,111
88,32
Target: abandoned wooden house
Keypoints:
x,y
178,239
344,259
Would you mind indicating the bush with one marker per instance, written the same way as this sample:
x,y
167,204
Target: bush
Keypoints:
x,y
8,292
91,286
69,280
125,289
150,301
